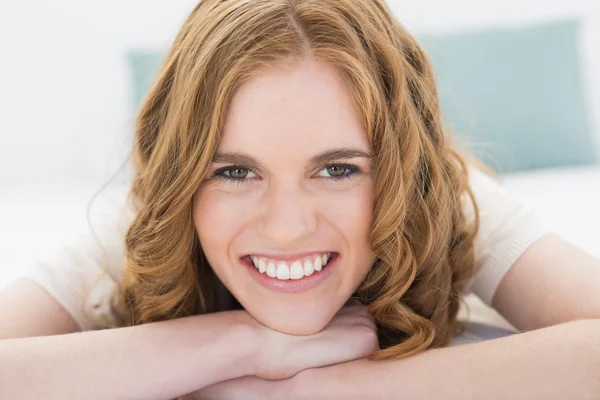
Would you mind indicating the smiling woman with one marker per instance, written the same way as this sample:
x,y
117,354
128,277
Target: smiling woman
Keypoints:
x,y
322,94
291,161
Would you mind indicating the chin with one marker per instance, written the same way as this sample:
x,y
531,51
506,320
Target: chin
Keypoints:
x,y
301,324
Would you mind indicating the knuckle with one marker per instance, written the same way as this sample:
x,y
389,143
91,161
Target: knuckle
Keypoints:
x,y
369,341
359,310
367,332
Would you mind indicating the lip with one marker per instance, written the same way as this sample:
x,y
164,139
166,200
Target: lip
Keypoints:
x,y
292,285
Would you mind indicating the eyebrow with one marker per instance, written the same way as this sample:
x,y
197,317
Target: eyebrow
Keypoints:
x,y
320,159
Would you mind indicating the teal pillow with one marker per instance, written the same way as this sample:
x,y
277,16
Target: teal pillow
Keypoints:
x,y
144,66
515,95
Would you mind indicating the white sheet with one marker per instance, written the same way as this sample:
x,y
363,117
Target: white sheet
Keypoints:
x,y
568,198
34,220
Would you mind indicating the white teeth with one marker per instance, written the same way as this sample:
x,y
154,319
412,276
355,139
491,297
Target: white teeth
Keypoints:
x,y
271,270
308,268
283,271
317,263
296,271
262,265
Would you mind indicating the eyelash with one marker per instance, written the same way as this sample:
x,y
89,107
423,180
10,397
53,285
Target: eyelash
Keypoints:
x,y
351,170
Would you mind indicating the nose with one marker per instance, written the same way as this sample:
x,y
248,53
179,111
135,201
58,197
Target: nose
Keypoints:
x,y
287,215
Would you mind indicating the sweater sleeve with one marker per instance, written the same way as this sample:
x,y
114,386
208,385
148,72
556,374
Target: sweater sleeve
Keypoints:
x,y
84,274
508,226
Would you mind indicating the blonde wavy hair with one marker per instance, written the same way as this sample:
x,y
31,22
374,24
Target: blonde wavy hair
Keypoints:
x,y
421,238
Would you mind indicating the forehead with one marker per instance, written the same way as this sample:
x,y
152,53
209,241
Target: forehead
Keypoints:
x,y
301,108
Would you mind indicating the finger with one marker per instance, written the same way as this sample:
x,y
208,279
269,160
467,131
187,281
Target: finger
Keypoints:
x,y
351,306
350,320
358,315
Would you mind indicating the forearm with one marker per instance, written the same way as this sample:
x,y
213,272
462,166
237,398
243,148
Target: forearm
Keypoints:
x,y
559,362
160,360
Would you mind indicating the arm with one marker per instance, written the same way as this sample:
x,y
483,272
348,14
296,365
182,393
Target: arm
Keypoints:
x,y
152,361
163,359
552,282
48,317
552,290
559,362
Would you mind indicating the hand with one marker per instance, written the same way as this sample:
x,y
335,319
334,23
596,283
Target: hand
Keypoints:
x,y
350,335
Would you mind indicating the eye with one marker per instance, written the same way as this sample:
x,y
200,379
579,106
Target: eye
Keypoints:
x,y
339,171
234,173
238,173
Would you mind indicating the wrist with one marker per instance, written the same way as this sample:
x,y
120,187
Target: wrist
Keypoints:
x,y
248,335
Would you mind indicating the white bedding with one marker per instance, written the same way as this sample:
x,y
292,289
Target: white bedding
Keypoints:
x,y
568,199
36,219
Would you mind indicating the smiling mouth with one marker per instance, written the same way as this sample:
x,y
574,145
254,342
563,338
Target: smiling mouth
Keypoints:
x,y
296,269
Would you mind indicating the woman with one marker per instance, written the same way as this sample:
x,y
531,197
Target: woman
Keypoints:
x,y
291,161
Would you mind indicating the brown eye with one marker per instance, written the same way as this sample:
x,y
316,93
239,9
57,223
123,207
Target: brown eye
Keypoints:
x,y
238,173
336,170
235,174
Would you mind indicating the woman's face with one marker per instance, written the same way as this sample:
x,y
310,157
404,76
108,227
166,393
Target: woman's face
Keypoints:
x,y
290,188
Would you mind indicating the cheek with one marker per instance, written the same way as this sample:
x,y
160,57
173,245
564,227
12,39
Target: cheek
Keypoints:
x,y
217,218
351,213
